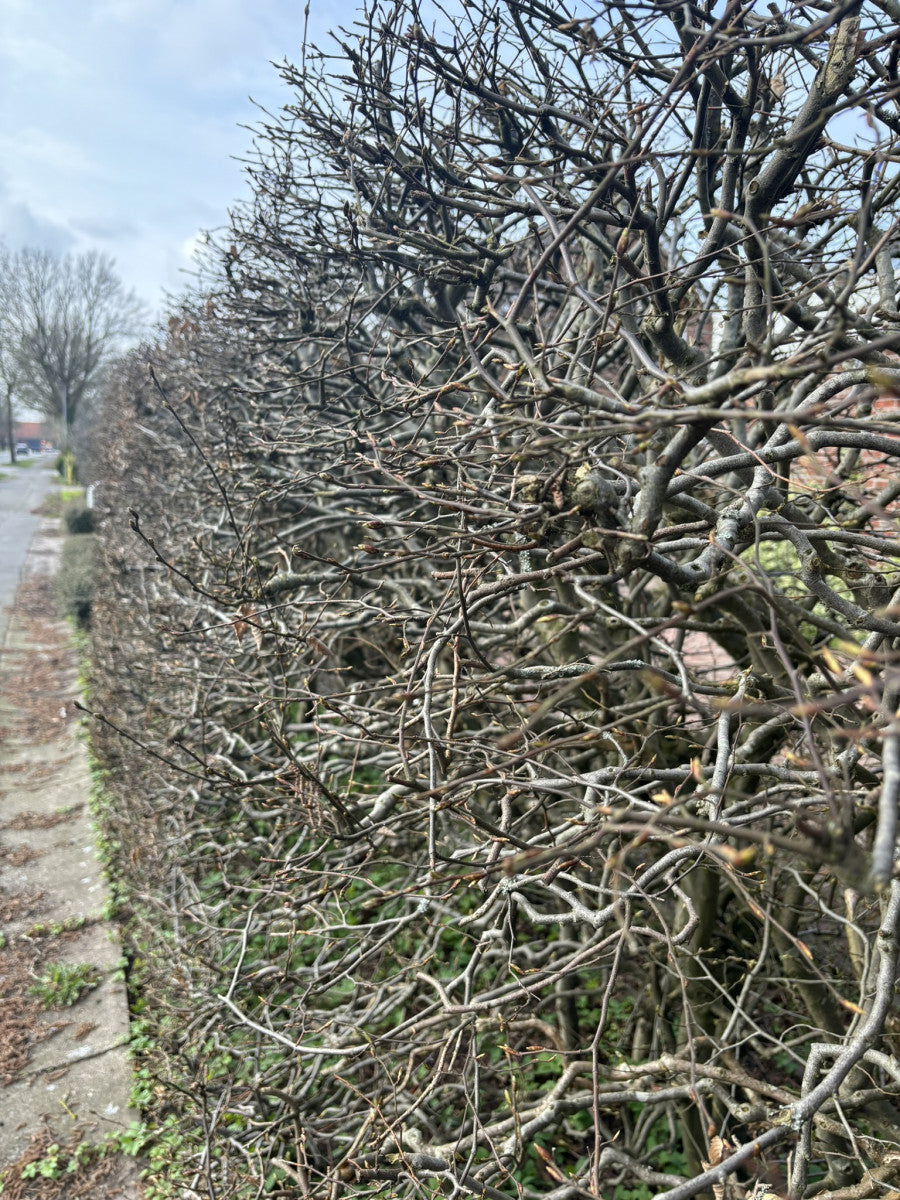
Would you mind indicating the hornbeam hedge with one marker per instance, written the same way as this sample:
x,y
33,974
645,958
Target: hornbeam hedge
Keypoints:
x,y
496,639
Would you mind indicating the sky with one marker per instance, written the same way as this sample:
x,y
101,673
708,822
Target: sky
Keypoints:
x,y
121,121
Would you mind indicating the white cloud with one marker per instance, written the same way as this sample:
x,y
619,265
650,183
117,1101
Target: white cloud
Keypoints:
x,y
30,52
106,229
21,226
31,146
203,45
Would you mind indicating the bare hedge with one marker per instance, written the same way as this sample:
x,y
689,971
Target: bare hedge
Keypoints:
x,y
496,640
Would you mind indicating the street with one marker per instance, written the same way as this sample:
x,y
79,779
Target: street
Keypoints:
x,y
22,490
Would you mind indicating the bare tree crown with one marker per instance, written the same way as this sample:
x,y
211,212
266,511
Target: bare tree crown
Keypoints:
x,y
68,318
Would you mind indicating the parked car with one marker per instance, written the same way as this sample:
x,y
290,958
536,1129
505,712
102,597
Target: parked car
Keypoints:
x,y
22,451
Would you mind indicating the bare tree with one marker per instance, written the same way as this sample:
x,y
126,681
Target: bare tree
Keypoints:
x,y
73,316
12,369
503,680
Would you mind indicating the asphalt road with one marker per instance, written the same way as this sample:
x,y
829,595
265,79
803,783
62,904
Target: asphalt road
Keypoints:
x,y
22,489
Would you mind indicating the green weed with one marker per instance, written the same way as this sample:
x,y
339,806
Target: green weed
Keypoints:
x,y
48,1167
42,929
63,984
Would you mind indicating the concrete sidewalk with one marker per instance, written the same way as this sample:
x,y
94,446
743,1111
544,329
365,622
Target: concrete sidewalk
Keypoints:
x,y
66,1068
